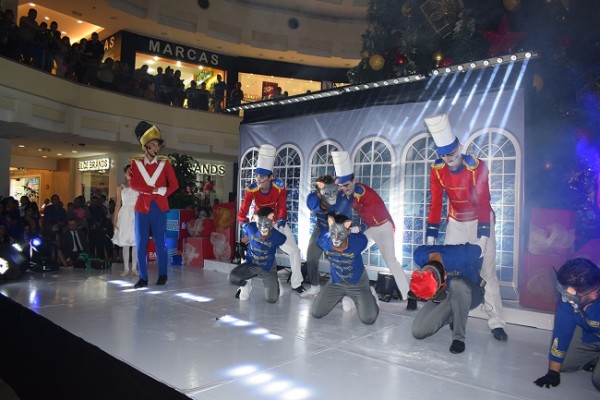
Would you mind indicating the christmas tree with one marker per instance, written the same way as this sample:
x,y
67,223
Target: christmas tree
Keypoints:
x,y
416,36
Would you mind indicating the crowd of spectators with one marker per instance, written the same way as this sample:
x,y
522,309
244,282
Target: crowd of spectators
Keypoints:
x,y
46,48
22,220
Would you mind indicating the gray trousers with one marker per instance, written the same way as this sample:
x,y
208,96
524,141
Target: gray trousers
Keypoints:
x,y
330,295
313,256
462,297
243,272
579,354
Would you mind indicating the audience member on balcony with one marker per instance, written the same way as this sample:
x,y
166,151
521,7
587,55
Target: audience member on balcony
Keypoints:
x,y
219,88
8,35
236,96
93,55
123,80
105,75
54,41
192,95
141,81
28,27
179,94
203,97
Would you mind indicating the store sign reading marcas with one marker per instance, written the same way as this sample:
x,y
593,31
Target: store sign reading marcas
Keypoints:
x,y
182,52
98,164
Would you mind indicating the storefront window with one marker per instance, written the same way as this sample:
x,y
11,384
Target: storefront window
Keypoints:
x,y
189,72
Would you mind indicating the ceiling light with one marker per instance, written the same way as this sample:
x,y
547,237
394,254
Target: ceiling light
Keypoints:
x,y
22,146
74,151
59,154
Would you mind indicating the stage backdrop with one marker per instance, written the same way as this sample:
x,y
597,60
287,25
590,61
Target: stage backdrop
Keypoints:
x,y
383,130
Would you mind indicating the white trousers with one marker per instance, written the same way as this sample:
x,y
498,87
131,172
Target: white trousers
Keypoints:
x,y
466,232
290,247
383,235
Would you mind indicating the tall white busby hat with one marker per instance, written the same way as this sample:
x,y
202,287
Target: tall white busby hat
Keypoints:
x,y
344,170
441,131
266,159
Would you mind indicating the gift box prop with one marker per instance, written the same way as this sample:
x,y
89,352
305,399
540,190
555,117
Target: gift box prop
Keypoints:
x,y
196,250
551,244
223,239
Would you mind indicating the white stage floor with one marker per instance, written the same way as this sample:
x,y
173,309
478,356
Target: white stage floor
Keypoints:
x,y
193,335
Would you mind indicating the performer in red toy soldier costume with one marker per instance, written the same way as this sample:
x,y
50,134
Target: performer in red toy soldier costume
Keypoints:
x,y
374,214
270,192
464,178
154,178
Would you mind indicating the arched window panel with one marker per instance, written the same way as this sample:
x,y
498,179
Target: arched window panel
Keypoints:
x,y
418,156
287,167
373,161
500,151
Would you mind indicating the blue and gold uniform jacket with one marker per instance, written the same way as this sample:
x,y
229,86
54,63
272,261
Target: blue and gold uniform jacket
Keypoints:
x,y
342,206
346,266
565,322
261,252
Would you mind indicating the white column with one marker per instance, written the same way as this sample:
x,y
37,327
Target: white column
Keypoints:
x,y
4,166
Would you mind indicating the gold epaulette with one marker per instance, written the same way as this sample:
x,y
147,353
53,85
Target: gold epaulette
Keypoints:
x,y
470,162
438,164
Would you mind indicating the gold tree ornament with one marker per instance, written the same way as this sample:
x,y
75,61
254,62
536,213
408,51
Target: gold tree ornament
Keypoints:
x,y
364,54
438,56
376,62
406,9
512,5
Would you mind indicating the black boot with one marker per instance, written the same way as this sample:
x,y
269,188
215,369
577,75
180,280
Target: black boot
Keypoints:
x,y
457,346
140,284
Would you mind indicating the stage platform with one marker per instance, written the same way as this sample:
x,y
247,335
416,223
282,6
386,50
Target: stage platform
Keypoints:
x,y
88,334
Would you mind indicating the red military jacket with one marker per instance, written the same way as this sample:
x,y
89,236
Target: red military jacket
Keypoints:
x,y
370,206
146,177
468,193
276,199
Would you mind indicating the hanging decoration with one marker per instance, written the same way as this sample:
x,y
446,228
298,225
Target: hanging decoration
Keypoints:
x,y
503,40
442,15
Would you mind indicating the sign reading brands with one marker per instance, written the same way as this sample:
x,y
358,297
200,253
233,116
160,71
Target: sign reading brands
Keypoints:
x,y
99,164
211,169
183,53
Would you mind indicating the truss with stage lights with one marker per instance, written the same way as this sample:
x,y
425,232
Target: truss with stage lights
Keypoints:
x,y
458,68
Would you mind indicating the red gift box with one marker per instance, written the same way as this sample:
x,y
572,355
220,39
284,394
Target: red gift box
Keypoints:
x,y
196,250
201,227
538,281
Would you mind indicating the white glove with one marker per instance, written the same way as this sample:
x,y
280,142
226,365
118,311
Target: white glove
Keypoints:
x,y
483,244
354,229
430,240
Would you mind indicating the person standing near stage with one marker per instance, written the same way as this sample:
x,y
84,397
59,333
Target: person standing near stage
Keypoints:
x,y
374,214
154,178
270,192
263,242
124,222
327,199
349,277
464,179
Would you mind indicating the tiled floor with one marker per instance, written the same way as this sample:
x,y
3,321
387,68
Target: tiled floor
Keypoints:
x,y
193,335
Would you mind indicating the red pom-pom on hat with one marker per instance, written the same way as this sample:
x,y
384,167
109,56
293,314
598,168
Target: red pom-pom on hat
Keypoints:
x,y
424,284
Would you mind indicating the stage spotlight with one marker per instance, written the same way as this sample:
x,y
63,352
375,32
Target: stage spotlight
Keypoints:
x,y
203,4
42,255
13,262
